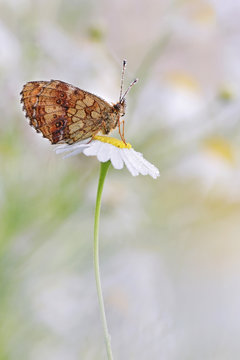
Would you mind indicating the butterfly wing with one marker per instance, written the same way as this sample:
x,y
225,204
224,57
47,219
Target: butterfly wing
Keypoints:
x,y
62,112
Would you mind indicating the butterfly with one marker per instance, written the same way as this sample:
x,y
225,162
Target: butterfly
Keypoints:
x,y
64,113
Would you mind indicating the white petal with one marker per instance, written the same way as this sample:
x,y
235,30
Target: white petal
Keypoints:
x,y
136,159
145,167
116,159
70,148
92,150
77,151
128,162
62,148
136,164
104,152
71,152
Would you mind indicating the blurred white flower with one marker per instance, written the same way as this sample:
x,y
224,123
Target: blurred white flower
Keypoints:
x,y
106,148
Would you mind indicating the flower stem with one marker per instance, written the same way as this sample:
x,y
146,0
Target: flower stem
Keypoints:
x,y
103,172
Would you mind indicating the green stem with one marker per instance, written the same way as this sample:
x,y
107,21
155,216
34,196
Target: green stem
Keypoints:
x,y
103,172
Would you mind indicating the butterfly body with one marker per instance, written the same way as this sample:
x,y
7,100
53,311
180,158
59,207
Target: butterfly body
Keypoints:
x,y
65,113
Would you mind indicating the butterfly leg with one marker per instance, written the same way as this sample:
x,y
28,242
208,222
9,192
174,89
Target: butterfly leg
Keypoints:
x,y
91,139
93,136
121,133
123,124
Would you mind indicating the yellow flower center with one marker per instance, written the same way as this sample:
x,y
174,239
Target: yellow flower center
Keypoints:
x,y
115,142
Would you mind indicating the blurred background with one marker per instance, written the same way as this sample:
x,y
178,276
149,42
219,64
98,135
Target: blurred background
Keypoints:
x,y
169,248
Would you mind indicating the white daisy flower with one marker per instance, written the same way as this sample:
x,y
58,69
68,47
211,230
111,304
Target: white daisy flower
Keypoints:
x,y
107,148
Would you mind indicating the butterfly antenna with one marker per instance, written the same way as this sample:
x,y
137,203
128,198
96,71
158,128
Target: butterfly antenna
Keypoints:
x,y
124,95
122,77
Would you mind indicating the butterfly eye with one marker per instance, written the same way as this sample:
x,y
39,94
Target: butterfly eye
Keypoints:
x,y
117,107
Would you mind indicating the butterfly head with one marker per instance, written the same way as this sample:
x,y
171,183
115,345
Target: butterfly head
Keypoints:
x,y
120,107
